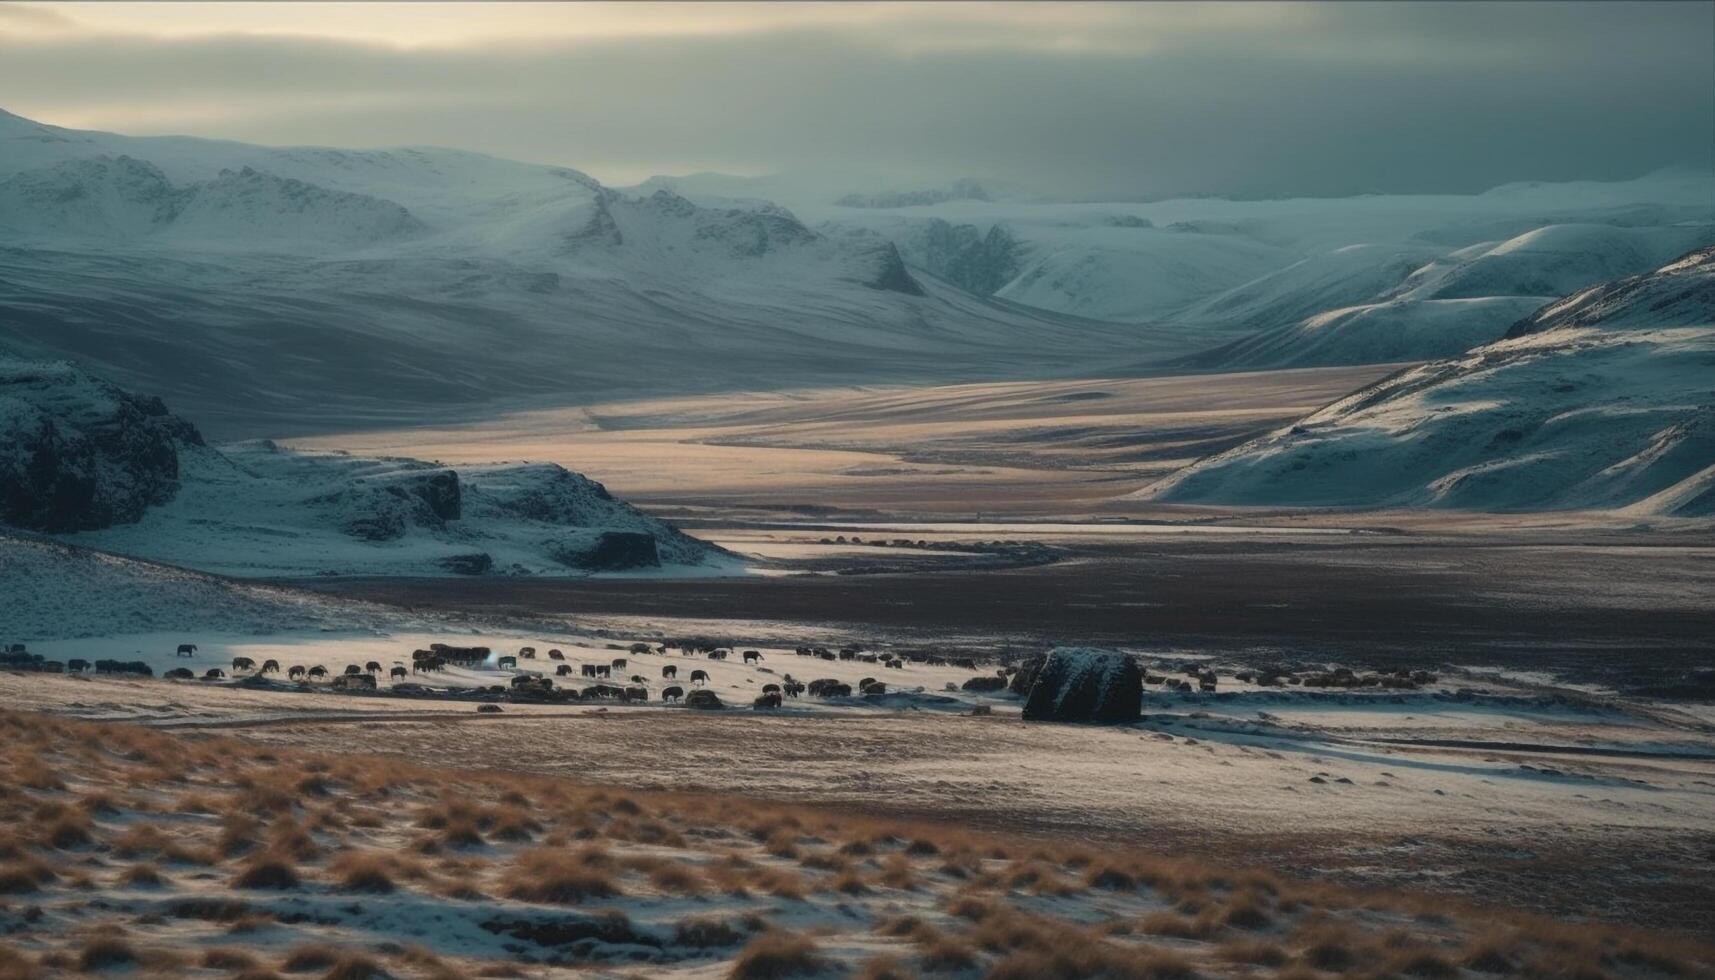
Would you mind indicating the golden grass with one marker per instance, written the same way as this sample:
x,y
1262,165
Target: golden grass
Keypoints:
x,y
294,820
555,877
777,956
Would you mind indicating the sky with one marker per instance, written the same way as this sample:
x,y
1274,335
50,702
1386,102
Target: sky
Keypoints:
x,y
1071,99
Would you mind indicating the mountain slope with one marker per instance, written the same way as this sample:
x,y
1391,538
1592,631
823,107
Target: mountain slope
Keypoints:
x,y
1439,308
279,290
1601,401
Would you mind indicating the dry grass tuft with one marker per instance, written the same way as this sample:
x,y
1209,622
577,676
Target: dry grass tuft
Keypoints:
x,y
558,878
267,873
105,953
886,968
143,876
1253,952
777,955
228,958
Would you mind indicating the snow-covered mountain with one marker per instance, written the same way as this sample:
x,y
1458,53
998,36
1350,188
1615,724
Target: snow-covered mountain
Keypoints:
x,y
1262,282
1603,400
104,468
106,200
288,289
1448,304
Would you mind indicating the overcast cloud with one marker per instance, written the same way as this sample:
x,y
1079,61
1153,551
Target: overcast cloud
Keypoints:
x,y
1085,99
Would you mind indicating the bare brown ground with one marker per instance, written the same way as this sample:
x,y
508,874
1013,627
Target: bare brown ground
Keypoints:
x,y
1006,448
162,855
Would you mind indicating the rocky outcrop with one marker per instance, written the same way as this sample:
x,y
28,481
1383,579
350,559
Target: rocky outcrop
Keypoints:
x,y
975,262
384,508
554,495
617,551
1084,685
78,453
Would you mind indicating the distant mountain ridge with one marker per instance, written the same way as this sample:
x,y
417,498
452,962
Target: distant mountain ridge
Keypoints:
x,y
280,289
123,199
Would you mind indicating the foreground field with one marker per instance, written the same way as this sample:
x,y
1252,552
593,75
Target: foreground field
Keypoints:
x,y
173,855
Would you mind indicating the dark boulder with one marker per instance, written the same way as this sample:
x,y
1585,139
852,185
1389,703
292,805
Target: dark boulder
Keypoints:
x,y
616,551
478,563
1084,685
703,698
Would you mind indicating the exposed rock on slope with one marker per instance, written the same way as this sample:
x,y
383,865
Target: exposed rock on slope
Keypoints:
x,y
124,199
78,453
1083,685
1603,400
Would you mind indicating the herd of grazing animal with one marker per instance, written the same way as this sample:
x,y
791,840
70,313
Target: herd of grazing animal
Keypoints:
x,y
533,686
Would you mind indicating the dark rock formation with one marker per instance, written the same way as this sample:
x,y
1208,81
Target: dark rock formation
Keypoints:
x,y
617,551
960,254
477,563
1083,685
705,699
78,453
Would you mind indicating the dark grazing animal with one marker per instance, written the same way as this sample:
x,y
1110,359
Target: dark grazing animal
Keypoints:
x,y
767,700
270,666
351,669
669,671
243,663
317,672
564,670
187,650
373,667
294,672
672,693
397,674
699,677
556,655
752,656
75,665
213,674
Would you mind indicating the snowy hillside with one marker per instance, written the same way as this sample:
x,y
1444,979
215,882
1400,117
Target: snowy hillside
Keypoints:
x,y
280,290
61,590
1601,401
1376,333
112,470
1439,308
257,509
1242,266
